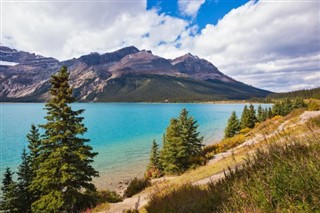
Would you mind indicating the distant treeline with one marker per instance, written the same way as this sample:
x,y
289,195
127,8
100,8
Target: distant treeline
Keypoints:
x,y
305,93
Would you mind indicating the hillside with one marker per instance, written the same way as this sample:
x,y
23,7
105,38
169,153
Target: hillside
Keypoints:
x,y
306,93
203,189
125,75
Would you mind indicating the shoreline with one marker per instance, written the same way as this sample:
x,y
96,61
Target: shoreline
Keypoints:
x,y
201,102
118,180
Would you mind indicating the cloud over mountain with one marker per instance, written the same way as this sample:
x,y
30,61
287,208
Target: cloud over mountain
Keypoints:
x,y
267,44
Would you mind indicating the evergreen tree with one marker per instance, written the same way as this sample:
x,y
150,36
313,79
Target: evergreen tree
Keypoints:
x,y
34,141
25,176
9,201
286,107
264,114
182,145
270,114
277,109
244,123
233,126
260,114
172,144
64,175
154,156
298,103
154,168
252,116
192,143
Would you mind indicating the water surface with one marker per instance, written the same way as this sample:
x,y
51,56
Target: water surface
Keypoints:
x,y
121,133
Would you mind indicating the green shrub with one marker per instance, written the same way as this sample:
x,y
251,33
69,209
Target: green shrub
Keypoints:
x,y
136,186
245,131
108,196
313,106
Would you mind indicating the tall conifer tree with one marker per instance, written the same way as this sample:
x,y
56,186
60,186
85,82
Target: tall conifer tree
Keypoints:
x,y
34,141
65,172
192,143
25,176
252,116
233,126
171,144
9,201
181,145
244,117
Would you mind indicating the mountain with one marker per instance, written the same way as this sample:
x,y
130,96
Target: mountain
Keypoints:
x,y
125,75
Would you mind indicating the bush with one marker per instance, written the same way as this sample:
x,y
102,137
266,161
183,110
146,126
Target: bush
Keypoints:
x,y
108,196
136,186
230,143
245,131
313,106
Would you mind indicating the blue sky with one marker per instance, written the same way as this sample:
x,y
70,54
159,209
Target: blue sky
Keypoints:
x,y
274,45
209,13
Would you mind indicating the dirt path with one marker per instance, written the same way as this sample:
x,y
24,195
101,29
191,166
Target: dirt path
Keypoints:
x,y
143,197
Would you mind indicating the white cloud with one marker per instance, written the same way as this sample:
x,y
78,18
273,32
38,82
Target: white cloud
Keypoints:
x,y
272,45
273,40
190,7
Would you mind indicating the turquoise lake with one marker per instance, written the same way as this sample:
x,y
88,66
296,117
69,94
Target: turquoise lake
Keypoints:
x,y
121,133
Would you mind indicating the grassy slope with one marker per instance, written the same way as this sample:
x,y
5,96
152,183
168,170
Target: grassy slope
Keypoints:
x,y
282,176
266,132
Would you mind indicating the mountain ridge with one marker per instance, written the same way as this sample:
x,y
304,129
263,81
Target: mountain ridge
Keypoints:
x,y
138,75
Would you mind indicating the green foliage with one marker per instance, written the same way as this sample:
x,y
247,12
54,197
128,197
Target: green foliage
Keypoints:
x,y
313,106
108,196
284,107
182,145
136,186
9,201
233,126
25,175
248,117
283,178
303,94
158,88
154,167
64,174
34,141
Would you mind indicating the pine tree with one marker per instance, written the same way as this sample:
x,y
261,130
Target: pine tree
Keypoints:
x,y
25,176
172,144
154,155
260,114
270,114
277,109
65,173
182,145
233,126
244,123
252,116
264,114
34,141
154,168
9,201
192,143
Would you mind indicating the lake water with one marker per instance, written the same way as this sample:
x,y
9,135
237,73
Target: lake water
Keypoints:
x,y
121,133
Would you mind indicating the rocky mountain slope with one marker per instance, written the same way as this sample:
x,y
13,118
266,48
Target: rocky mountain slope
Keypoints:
x,y
125,75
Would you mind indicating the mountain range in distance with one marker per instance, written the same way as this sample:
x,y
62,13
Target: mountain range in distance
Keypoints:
x,y
125,75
